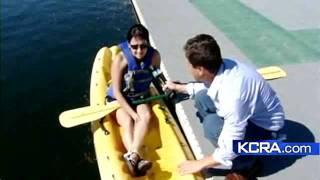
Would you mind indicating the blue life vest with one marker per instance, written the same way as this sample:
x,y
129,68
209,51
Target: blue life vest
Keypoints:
x,y
138,77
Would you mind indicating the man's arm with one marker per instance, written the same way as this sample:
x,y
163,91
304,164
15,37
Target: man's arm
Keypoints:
x,y
194,166
180,88
236,113
189,88
233,129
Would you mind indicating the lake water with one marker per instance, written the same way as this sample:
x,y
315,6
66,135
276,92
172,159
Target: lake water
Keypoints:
x,y
47,51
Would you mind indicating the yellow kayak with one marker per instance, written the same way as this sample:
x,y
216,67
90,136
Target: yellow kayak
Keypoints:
x,y
164,144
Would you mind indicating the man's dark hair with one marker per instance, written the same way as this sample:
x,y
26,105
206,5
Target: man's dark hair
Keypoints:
x,y
203,50
138,30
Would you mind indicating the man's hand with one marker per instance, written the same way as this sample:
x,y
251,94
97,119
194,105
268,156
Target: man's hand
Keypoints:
x,y
194,166
175,86
170,86
189,167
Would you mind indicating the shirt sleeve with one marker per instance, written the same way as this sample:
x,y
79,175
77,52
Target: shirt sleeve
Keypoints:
x,y
236,114
193,88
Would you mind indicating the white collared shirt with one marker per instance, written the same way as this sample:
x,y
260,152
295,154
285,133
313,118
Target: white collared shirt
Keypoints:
x,y
240,93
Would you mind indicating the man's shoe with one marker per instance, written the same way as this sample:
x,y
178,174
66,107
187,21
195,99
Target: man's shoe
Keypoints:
x,y
235,176
132,160
246,175
143,166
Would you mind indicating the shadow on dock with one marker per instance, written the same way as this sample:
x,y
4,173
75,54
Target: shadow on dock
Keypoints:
x,y
295,132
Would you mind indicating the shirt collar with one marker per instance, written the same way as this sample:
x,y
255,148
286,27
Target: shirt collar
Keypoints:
x,y
217,81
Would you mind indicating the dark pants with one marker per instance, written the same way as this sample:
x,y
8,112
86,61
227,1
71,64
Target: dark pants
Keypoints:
x,y
212,126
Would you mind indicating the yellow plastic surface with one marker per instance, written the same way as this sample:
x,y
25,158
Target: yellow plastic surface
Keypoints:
x,y
164,144
75,117
272,72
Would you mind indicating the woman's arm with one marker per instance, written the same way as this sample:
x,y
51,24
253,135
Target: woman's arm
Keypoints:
x,y
156,59
119,64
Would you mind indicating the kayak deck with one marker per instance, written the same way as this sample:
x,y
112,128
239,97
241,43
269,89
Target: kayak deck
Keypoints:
x,y
164,144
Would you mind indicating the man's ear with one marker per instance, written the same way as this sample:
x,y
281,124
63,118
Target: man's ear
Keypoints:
x,y
200,70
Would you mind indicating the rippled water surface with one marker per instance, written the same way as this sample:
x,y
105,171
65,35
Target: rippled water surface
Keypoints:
x,y
47,50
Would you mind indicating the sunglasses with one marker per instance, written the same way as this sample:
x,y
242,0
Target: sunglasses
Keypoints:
x,y
136,46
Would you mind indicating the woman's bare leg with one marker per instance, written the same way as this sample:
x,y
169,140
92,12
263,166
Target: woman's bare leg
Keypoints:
x,y
125,121
141,126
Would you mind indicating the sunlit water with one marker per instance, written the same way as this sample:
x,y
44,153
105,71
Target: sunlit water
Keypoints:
x,y
47,51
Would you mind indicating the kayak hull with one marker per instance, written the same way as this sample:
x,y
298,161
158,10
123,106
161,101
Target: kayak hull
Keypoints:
x,y
164,143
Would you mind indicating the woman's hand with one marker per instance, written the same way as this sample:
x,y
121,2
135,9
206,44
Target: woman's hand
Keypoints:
x,y
135,117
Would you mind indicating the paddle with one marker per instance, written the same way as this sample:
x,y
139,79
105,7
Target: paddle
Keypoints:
x,y
272,72
87,114
75,117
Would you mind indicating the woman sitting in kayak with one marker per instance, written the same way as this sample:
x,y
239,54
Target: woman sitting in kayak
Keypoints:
x,y
131,78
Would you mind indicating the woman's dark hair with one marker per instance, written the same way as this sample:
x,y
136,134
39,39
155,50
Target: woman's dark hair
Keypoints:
x,y
203,50
138,30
